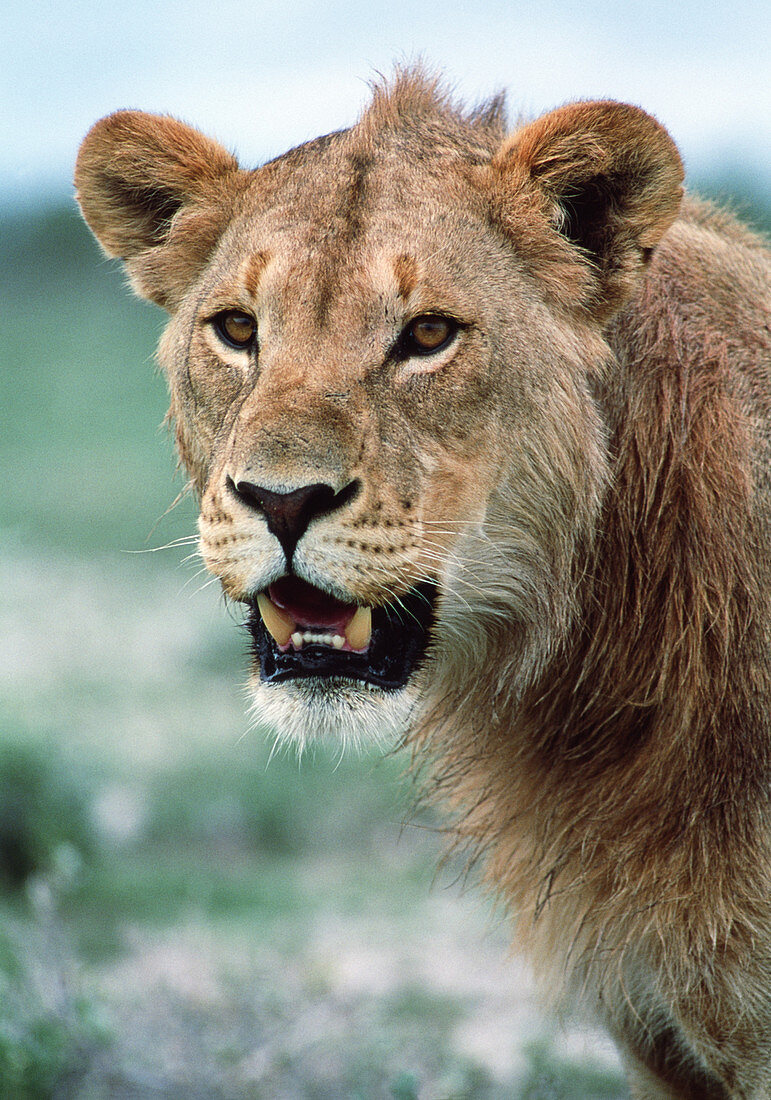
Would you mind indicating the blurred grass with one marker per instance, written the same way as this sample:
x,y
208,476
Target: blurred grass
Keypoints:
x,y
84,461
225,836
129,801
745,195
550,1076
45,825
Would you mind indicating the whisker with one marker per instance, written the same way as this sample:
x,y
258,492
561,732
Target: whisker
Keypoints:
x,y
186,540
192,557
206,584
185,491
194,576
440,553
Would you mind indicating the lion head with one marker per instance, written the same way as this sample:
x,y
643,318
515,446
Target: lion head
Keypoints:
x,y
383,356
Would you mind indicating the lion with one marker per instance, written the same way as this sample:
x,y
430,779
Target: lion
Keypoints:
x,y
479,421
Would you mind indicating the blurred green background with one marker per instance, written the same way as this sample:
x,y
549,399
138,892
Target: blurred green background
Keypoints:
x,y
178,918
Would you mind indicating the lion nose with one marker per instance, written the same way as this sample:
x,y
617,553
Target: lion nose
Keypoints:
x,y
288,514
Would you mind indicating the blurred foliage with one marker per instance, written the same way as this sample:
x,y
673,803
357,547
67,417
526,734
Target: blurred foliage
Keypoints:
x,y
45,823
747,196
47,839
553,1077
45,1040
223,834
80,461
287,807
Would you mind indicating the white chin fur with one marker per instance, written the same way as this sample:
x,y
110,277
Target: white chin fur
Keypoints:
x,y
351,715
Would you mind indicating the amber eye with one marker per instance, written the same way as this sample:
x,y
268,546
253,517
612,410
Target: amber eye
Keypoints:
x,y
236,328
428,334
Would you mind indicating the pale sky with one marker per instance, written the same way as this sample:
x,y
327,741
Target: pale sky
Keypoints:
x,y
262,75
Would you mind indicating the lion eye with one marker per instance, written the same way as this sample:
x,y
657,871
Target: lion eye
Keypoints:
x,y
236,328
428,334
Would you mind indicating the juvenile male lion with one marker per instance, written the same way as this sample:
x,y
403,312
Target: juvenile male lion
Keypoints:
x,y
480,428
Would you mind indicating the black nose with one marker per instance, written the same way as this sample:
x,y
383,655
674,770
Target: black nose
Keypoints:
x,y
288,514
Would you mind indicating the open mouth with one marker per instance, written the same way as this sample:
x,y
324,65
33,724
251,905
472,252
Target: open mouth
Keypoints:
x,y
300,631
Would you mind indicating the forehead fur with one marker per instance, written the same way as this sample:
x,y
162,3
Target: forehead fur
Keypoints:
x,y
417,103
411,137
413,112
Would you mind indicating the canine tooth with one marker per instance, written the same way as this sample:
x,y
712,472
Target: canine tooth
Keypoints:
x,y
337,641
297,640
279,625
359,629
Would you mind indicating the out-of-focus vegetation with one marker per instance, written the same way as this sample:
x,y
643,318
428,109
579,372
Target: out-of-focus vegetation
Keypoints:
x,y
143,838
747,196
82,462
44,816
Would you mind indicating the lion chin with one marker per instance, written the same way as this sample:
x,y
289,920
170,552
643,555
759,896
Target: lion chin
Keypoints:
x,y
351,714
327,669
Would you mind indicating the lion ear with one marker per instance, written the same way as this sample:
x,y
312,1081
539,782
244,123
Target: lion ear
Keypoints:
x,y
157,194
608,180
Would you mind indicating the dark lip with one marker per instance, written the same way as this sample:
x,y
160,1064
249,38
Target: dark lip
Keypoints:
x,y
400,635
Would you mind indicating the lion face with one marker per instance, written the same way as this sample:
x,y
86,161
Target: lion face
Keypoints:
x,y
382,357
360,401
356,403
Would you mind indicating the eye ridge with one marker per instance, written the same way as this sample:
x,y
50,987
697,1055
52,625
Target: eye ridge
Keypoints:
x,y
437,332
227,323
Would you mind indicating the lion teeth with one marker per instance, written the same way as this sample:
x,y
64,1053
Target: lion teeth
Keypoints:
x,y
279,625
283,628
305,637
359,629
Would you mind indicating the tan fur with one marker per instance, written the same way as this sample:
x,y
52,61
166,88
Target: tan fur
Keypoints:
x,y
584,471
